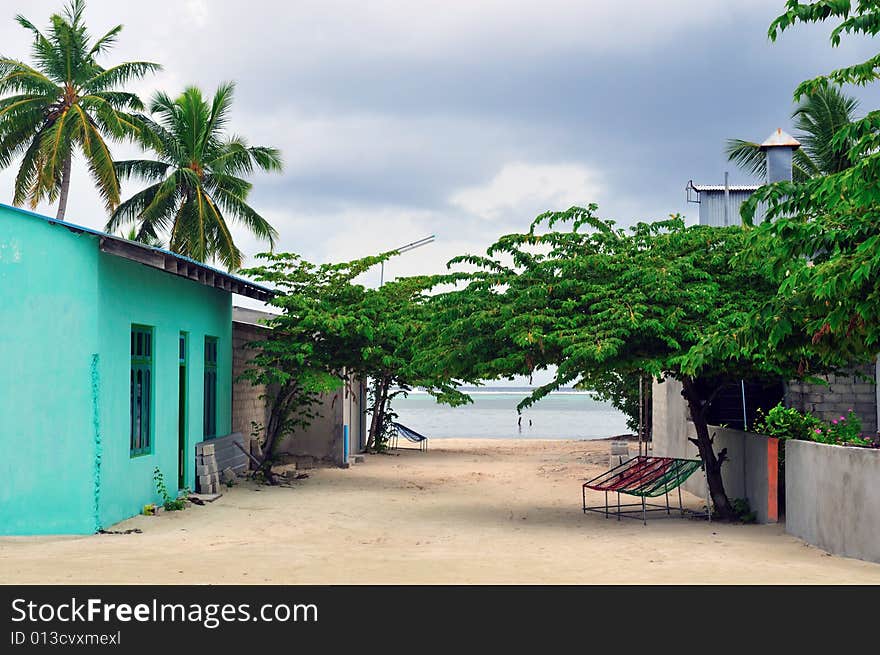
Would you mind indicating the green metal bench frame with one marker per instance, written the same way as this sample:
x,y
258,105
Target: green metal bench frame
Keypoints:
x,y
644,477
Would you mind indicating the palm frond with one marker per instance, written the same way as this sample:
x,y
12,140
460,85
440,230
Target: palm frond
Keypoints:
x,y
817,119
119,74
256,224
28,174
99,160
748,156
803,167
114,123
145,169
235,157
236,186
16,76
268,159
105,42
120,100
73,11
130,211
220,107
223,245
159,211
16,134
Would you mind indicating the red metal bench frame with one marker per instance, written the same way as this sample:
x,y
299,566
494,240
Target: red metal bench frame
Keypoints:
x,y
645,477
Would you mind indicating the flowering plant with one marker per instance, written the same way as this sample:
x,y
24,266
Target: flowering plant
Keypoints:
x,y
844,430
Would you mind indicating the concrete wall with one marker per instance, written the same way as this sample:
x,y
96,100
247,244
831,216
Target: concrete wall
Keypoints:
x,y
132,293
751,470
321,444
48,369
66,311
752,466
832,498
842,393
670,424
248,404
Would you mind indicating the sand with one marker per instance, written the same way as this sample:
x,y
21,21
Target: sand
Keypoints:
x,y
468,511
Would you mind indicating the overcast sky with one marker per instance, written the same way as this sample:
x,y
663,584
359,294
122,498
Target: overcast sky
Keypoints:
x,y
463,119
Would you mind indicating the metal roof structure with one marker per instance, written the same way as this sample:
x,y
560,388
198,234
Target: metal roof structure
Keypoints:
x,y
781,139
164,260
699,188
249,316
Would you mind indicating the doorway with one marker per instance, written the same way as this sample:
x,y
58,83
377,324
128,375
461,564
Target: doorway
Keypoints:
x,y
181,412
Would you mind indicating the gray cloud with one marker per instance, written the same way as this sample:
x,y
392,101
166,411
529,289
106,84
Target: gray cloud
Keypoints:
x,y
389,113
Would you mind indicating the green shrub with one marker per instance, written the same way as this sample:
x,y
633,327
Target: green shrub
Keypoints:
x,y
170,504
743,510
789,423
843,431
786,423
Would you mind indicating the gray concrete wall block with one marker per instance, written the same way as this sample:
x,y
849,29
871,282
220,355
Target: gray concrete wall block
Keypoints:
x,y
833,498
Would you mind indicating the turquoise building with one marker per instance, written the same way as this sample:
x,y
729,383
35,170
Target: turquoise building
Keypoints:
x,y
115,359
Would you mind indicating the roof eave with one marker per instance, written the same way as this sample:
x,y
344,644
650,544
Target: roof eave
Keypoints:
x,y
182,267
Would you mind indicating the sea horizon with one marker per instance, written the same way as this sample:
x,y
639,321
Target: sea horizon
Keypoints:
x,y
563,414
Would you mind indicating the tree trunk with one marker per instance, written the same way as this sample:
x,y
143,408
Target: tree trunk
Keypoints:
x,y
377,421
374,419
65,188
277,412
383,414
711,462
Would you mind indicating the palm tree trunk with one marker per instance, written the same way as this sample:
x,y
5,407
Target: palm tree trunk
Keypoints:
x,y
65,187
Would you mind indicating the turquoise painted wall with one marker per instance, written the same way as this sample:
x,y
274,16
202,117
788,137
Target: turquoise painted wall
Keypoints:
x,y
66,311
48,335
131,293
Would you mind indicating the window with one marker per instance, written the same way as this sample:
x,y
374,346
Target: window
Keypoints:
x,y
141,390
210,387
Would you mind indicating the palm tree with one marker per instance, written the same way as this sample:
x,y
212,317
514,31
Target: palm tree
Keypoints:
x,y
196,181
132,235
66,101
816,120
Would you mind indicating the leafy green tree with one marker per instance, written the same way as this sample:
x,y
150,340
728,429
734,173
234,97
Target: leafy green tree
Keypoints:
x,y
662,300
66,102
331,328
295,362
197,181
823,239
817,119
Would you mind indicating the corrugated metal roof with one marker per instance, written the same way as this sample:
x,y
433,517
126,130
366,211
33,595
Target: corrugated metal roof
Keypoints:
x,y
164,260
699,188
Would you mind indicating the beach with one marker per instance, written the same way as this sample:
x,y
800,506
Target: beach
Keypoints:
x,y
489,511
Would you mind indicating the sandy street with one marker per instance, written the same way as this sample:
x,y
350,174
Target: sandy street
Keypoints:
x,y
468,511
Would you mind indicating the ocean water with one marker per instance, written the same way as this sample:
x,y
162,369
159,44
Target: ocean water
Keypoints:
x,y
492,415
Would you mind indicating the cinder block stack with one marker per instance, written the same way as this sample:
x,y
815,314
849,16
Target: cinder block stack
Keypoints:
x,y
206,469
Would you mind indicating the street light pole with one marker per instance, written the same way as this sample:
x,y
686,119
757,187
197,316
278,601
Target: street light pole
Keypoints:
x,y
402,249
